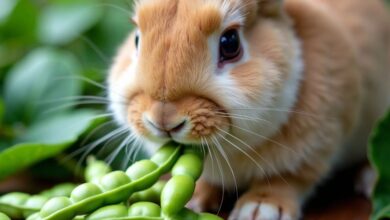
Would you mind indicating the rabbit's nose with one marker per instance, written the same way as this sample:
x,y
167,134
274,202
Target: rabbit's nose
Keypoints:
x,y
163,120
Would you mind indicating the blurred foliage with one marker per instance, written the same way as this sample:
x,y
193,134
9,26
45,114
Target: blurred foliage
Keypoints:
x,y
379,155
51,54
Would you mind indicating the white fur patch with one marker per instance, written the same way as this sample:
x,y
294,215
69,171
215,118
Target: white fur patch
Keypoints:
x,y
256,211
268,211
118,90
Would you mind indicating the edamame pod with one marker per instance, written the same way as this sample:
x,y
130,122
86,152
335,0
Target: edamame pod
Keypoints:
x,y
185,214
55,204
145,209
140,169
109,212
119,194
95,169
195,150
189,164
164,153
33,204
114,180
85,191
21,204
152,194
116,187
4,216
176,193
63,189
11,204
35,216
208,216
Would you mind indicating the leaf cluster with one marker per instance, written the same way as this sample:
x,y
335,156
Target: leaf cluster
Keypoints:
x,y
47,50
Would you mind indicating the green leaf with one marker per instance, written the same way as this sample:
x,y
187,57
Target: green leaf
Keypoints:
x,y
45,139
20,21
61,23
6,8
1,111
379,153
44,81
111,31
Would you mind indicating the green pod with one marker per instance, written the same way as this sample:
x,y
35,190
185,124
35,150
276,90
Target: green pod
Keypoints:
x,y
95,169
127,218
11,204
4,216
159,186
195,150
189,164
121,193
208,216
108,212
141,169
152,194
185,214
176,193
112,181
145,209
56,204
34,204
35,216
83,192
64,189
164,153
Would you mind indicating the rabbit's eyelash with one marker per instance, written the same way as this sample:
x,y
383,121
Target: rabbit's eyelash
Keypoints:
x,y
233,14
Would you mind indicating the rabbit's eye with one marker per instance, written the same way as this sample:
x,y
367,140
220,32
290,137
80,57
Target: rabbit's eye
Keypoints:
x,y
230,49
136,41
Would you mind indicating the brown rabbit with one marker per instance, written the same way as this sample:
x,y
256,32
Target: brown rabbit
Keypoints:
x,y
280,93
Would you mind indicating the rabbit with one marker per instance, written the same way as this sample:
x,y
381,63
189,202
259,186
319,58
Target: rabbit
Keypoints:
x,y
280,93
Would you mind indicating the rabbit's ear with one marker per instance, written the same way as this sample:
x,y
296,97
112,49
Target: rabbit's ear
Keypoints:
x,y
271,7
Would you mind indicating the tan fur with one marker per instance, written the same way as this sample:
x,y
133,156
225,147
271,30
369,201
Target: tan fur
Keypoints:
x,y
200,112
344,87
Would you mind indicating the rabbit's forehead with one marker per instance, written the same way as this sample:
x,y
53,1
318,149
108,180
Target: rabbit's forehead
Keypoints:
x,y
206,16
177,43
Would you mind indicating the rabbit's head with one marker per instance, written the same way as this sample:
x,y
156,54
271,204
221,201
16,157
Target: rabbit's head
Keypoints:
x,y
206,71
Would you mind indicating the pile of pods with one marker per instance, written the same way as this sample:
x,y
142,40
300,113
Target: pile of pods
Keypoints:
x,y
137,194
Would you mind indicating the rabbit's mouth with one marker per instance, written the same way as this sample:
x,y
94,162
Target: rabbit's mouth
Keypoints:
x,y
189,120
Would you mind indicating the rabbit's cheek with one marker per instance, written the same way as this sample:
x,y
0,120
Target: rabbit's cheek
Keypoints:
x,y
136,106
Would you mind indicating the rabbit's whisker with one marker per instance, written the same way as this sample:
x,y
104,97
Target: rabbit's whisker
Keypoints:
x,y
269,164
265,138
118,149
95,130
246,154
95,48
220,173
226,158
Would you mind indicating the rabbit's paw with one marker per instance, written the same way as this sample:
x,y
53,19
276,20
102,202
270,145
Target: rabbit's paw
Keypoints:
x,y
259,211
264,207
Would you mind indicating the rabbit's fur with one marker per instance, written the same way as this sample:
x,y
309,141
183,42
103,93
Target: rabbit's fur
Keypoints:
x,y
313,79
